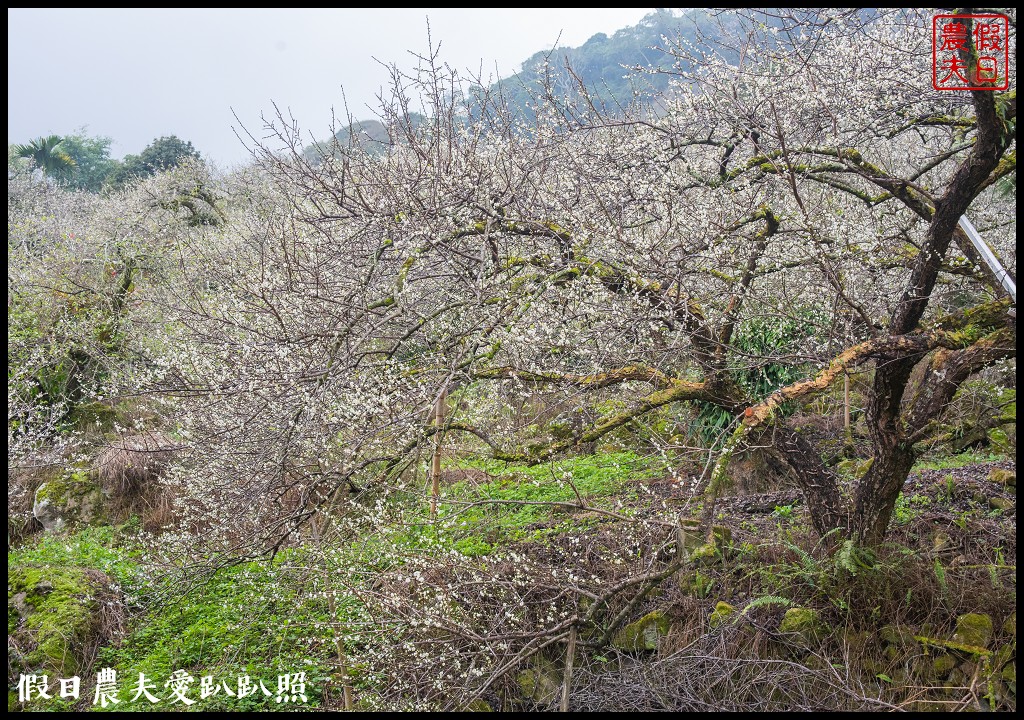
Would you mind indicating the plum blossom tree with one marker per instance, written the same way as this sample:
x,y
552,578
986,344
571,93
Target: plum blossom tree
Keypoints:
x,y
582,257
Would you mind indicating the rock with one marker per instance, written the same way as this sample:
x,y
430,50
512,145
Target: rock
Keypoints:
x,y
1003,477
642,634
721,536
68,500
722,612
900,636
854,468
898,641
857,641
691,533
1000,503
973,629
706,554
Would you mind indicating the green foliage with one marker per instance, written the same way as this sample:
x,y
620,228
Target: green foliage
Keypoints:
x,y
766,601
854,558
92,161
48,154
161,154
783,512
907,507
108,549
772,340
710,424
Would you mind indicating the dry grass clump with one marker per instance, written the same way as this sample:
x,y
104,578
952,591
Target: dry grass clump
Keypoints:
x,y
129,471
129,465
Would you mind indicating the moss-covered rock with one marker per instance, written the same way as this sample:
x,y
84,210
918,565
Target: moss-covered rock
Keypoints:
x,y
1010,625
854,468
997,502
642,634
973,629
722,612
900,637
856,641
541,682
68,500
696,584
691,533
805,622
721,536
479,705
706,554
942,665
1003,477
940,541
53,617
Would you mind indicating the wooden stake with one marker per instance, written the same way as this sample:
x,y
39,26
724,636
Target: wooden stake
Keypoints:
x,y
339,647
846,403
435,461
570,655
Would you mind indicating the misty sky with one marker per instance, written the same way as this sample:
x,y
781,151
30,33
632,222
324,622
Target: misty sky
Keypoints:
x,y
137,74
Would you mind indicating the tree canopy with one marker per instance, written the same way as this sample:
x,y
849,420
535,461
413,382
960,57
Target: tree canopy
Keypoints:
x,y
162,154
92,161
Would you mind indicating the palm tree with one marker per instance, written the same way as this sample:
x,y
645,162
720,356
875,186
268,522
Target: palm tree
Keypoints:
x,y
47,155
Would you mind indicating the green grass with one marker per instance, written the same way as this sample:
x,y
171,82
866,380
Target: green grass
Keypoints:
x,y
257,619
260,619
951,462
514,505
107,549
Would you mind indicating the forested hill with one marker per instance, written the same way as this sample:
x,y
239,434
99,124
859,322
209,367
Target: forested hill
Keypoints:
x,y
602,64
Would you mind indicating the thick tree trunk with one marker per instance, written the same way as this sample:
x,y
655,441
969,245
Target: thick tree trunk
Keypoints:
x,y
876,495
817,481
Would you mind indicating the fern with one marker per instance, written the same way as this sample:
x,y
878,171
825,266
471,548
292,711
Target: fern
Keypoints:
x,y
852,558
940,575
766,600
806,559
